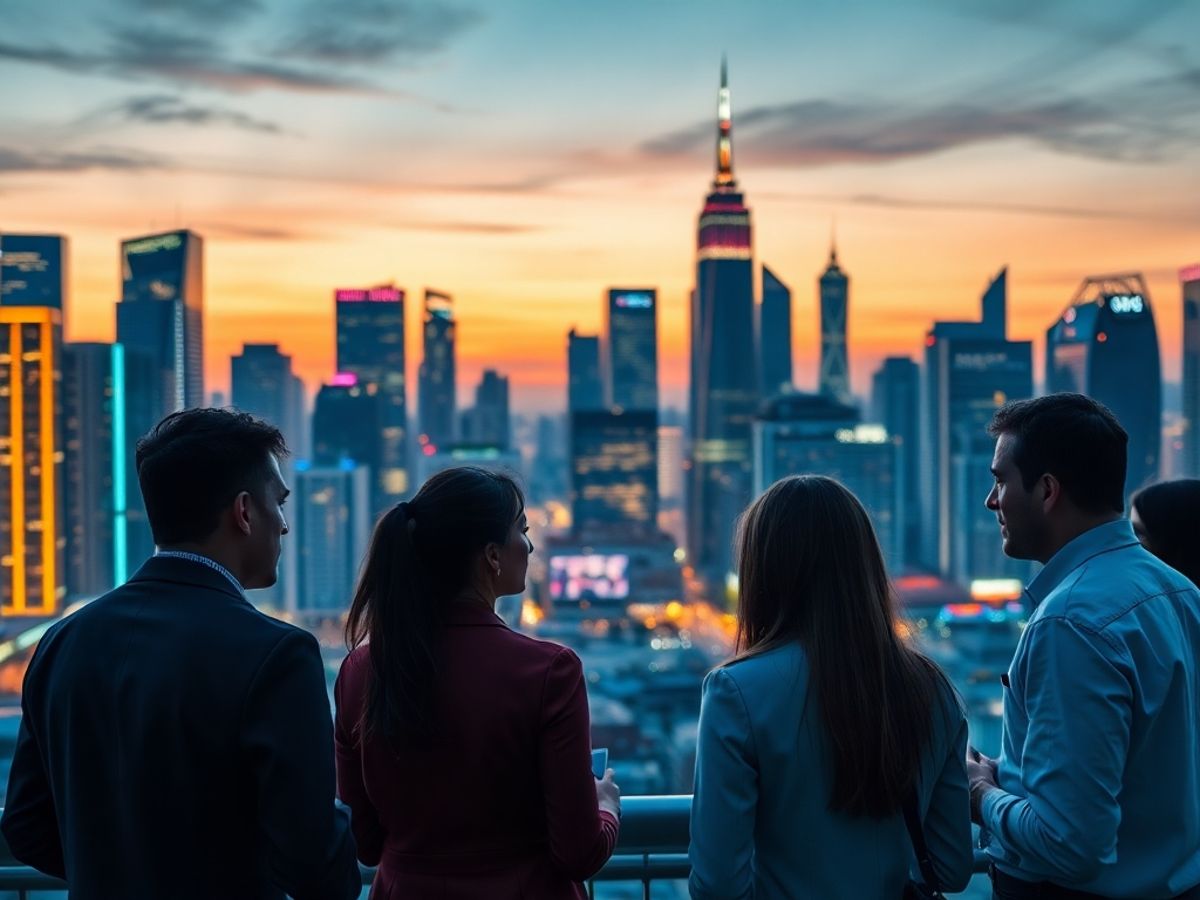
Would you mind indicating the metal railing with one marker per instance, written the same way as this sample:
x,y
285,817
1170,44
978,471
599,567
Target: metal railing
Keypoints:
x,y
652,847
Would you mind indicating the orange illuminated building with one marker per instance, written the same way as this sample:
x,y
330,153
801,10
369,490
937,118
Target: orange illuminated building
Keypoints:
x,y
32,539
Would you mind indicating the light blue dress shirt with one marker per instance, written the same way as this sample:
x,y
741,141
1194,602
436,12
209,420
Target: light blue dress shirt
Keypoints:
x,y
1100,768
761,827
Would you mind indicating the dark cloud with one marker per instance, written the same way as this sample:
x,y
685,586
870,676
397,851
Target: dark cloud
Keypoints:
x,y
377,31
12,160
824,132
166,109
135,52
207,11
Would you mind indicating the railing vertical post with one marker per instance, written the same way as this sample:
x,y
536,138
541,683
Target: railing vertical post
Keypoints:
x,y
646,880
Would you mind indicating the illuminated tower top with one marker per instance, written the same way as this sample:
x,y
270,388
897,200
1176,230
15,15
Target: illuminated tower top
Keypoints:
x,y
725,221
724,176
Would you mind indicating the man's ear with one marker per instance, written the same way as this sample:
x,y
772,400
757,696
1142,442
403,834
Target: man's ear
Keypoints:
x,y
1052,493
243,512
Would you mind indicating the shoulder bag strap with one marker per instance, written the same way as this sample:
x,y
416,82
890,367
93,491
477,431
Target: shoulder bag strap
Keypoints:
x,y
916,834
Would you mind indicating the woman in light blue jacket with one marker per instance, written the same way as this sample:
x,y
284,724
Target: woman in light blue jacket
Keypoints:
x,y
826,721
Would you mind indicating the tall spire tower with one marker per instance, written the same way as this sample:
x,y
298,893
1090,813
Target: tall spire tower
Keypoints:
x,y
724,378
834,290
724,133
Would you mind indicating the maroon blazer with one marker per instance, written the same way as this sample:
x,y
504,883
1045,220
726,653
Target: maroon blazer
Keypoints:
x,y
502,803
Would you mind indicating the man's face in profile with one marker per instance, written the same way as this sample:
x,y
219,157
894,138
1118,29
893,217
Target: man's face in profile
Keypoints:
x,y
268,526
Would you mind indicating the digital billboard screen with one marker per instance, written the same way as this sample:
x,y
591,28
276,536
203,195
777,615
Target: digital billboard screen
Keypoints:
x,y
153,268
592,576
31,270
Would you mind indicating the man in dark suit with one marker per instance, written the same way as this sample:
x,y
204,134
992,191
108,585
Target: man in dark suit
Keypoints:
x,y
175,742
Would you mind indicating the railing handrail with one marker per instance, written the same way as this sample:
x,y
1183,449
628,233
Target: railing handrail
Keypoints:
x,y
653,845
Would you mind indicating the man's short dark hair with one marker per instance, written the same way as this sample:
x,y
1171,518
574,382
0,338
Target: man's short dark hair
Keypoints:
x,y
193,464
1075,439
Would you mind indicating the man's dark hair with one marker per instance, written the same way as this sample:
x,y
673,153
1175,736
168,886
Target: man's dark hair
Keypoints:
x,y
1075,439
193,463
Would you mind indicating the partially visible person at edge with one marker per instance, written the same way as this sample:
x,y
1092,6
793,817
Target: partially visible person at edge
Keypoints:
x,y
175,742
1166,519
463,747
1097,789
826,722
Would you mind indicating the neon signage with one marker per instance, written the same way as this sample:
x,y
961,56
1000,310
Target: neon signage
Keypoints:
x,y
1126,304
369,295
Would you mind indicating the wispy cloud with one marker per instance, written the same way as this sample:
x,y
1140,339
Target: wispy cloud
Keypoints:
x,y
944,205
208,12
168,109
242,232
825,132
124,160
369,32
135,52
493,228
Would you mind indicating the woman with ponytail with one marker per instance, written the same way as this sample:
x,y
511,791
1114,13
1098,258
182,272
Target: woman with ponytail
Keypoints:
x,y
827,724
463,747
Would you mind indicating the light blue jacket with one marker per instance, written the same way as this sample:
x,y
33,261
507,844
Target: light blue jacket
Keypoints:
x,y
1100,770
761,827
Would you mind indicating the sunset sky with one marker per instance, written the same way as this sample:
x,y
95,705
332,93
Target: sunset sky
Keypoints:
x,y
526,155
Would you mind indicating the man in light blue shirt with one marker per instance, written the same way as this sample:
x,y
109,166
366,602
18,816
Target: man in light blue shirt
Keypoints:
x,y
1097,789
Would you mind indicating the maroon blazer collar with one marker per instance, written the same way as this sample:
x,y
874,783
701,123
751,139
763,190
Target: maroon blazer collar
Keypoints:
x,y
470,612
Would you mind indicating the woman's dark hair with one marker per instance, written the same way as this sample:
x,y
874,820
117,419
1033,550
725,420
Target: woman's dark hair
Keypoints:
x,y
420,557
1170,514
193,463
810,569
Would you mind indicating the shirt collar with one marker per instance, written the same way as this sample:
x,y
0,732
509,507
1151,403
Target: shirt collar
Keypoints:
x,y
204,561
1101,539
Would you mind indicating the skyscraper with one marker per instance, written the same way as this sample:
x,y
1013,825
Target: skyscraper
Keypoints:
x,y
95,489
346,423
33,270
585,388
487,422
333,523
896,403
160,323
370,346
264,385
815,434
1189,279
32,539
614,471
971,369
775,334
161,313
724,381
437,378
631,348
834,378
1105,345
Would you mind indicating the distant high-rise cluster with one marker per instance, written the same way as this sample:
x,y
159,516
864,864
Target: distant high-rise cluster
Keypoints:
x,y
635,494
971,369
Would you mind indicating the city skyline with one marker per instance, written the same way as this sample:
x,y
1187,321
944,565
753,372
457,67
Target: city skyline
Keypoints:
x,y
302,175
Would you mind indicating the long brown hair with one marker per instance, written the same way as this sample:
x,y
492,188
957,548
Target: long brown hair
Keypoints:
x,y
420,557
810,569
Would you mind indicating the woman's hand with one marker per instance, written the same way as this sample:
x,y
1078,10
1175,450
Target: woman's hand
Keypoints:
x,y
608,795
